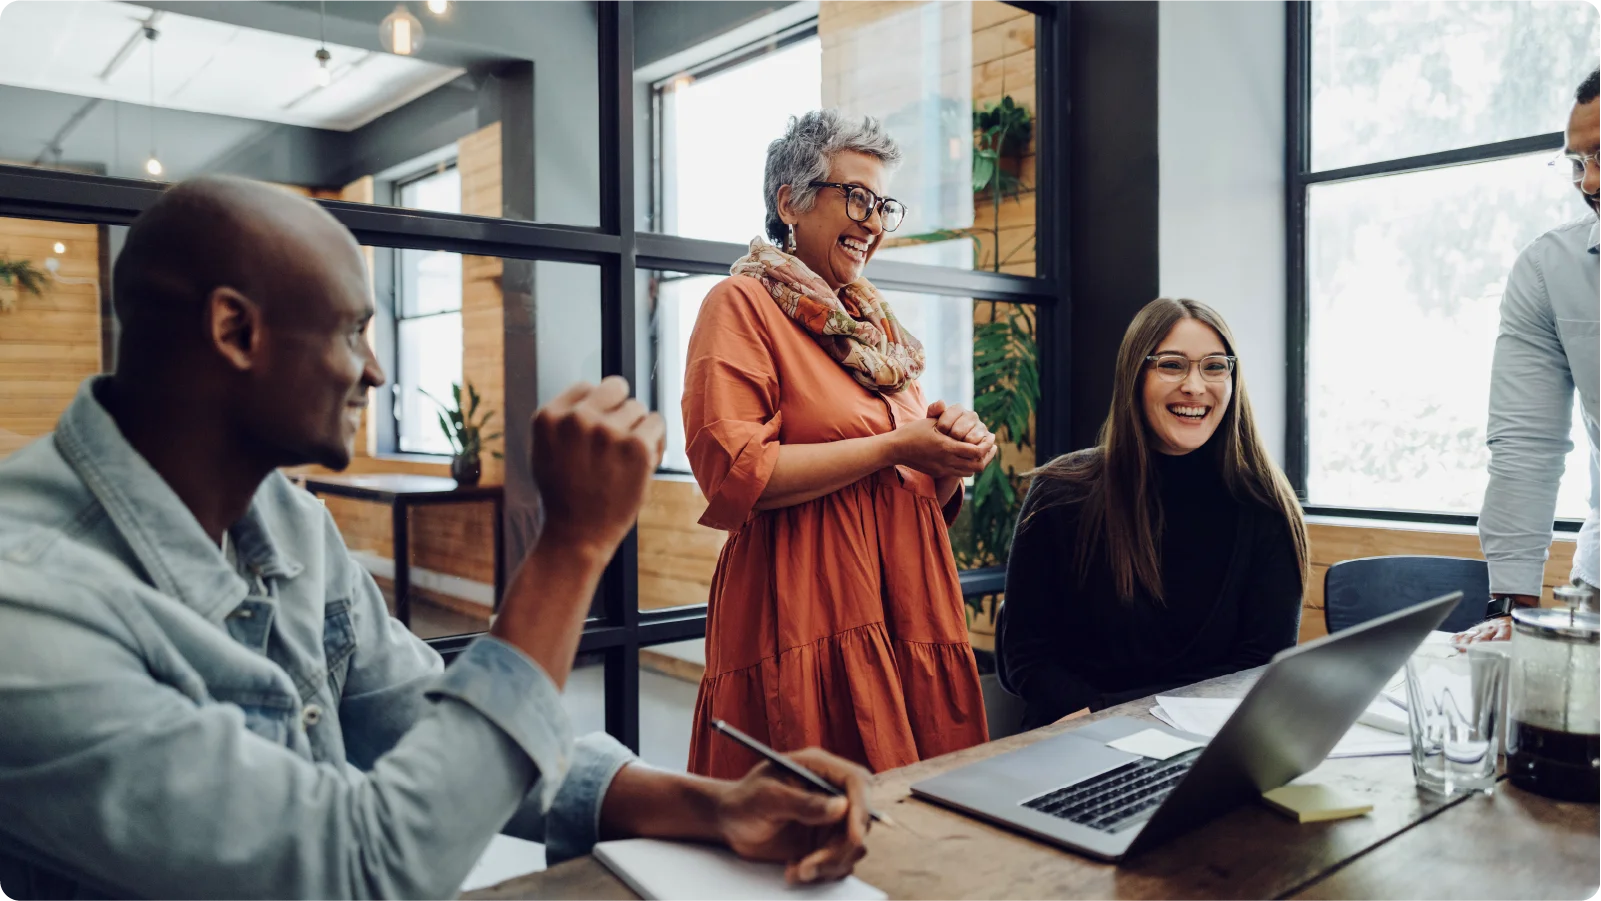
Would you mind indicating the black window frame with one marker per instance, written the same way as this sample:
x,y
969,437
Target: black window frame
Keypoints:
x,y
1299,176
618,629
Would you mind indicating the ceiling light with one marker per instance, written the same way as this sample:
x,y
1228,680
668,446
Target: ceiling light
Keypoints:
x,y
60,247
400,32
325,75
152,165
439,7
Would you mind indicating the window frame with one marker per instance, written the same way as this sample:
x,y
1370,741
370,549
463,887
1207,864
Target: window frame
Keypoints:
x,y
395,312
617,629
1299,177
712,66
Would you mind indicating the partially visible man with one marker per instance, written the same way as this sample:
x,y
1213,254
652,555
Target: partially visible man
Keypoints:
x,y
1546,348
203,693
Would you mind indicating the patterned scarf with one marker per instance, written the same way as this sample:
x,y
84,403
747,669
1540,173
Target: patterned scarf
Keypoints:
x,y
856,326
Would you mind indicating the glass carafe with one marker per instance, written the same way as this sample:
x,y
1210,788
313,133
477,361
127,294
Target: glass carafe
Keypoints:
x,y
1553,709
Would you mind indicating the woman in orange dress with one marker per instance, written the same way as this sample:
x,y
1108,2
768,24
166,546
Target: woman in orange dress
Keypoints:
x,y
836,618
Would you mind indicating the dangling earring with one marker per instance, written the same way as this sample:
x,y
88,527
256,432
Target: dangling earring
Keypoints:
x,y
790,246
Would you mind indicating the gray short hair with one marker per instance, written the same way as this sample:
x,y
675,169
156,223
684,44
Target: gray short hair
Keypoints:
x,y
805,152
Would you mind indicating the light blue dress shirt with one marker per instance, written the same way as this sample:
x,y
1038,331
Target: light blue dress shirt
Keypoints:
x,y
1546,348
176,726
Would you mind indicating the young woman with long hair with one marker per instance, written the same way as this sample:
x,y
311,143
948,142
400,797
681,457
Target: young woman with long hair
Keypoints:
x,y
1171,552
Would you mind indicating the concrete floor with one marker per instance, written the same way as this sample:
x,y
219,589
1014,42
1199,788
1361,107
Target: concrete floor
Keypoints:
x,y
666,706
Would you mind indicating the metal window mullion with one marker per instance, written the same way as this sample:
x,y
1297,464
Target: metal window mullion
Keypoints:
x,y
1461,156
1053,321
619,586
1297,149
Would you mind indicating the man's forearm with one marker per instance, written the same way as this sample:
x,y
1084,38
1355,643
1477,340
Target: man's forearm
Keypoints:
x,y
649,803
564,576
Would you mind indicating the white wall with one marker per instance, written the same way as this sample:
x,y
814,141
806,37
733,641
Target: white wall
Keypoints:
x,y
1220,97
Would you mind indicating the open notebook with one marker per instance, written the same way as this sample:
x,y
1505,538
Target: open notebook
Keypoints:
x,y
675,871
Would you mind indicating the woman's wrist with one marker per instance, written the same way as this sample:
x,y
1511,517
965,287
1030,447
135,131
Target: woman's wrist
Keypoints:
x,y
889,449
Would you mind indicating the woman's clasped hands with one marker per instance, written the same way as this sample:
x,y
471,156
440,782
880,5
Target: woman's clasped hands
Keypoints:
x,y
949,442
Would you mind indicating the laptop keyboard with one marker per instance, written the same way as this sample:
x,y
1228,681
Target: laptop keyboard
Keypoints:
x,y
1118,797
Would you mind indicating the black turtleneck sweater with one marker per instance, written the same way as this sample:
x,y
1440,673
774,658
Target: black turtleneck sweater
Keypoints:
x,y
1232,599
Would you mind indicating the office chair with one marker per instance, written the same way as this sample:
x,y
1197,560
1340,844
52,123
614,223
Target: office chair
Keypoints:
x,y
1000,653
1355,591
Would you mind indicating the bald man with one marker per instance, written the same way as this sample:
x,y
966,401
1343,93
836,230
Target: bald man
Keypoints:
x,y
205,696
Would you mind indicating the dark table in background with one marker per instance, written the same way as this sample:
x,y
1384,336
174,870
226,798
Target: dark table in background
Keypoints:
x,y
1510,844
402,492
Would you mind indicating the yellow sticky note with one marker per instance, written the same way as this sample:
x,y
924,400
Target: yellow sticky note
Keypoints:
x,y
1313,803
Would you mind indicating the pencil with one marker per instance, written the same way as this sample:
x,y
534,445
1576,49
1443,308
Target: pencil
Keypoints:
x,y
790,766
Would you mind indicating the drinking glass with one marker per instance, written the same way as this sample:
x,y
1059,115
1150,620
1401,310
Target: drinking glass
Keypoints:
x,y
1454,705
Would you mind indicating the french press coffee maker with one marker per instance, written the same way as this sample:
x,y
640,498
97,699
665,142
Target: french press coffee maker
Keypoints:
x,y
1553,708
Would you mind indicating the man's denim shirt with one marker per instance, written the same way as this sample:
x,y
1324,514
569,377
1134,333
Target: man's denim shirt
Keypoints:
x,y
171,728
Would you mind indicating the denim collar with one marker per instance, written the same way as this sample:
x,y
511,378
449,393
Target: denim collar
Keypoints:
x,y
164,535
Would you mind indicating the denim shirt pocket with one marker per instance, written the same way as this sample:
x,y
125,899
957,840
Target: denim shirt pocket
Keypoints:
x,y
338,644
270,714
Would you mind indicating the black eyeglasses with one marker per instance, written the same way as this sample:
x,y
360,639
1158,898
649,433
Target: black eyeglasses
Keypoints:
x,y
860,203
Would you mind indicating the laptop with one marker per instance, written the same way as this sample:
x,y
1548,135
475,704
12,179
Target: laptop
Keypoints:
x,y
1075,791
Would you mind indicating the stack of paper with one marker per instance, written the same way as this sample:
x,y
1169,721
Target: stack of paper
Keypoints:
x,y
1205,716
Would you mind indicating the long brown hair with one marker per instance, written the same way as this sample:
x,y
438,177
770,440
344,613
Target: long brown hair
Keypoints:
x,y
1114,483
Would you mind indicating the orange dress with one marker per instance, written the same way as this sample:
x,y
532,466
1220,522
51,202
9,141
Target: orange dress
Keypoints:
x,y
837,622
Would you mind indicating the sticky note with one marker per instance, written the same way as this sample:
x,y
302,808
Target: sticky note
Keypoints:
x,y
1154,743
1313,803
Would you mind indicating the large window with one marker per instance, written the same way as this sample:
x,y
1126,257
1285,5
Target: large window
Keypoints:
x,y
1430,129
427,321
718,196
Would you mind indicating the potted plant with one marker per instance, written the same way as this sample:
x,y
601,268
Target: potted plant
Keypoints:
x,y
463,428
17,276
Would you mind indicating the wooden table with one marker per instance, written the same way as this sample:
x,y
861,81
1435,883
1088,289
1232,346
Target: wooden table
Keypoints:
x,y
401,492
1506,845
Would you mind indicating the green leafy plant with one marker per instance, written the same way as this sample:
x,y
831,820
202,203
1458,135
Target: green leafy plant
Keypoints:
x,y
464,428
20,275
1006,393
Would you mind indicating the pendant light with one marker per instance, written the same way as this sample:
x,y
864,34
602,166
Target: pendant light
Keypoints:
x,y
439,7
400,32
152,165
325,74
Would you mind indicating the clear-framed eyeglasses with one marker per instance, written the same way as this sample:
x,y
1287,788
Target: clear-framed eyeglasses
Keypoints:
x,y
1574,165
1176,367
860,203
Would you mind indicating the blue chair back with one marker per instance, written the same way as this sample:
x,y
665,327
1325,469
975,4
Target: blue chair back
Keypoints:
x,y
1000,652
1355,591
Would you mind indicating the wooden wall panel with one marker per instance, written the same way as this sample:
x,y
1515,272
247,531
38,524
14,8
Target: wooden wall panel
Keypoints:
x,y
677,555
483,322
48,344
1003,65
